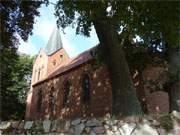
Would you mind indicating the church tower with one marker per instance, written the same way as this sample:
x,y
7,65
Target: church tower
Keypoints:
x,y
49,58
55,51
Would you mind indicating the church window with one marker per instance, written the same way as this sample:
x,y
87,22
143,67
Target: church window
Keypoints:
x,y
38,74
61,57
86,88
52,100
54,62
67,93
39,100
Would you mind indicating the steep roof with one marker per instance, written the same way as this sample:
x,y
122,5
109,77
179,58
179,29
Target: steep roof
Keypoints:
x,y
54,43
69,64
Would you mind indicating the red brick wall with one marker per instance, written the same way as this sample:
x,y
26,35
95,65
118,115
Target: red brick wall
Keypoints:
x,y
158,102
157,99
101,94
56,57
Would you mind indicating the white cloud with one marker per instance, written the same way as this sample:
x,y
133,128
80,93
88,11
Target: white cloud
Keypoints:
x,y
27,48
43,29
68,47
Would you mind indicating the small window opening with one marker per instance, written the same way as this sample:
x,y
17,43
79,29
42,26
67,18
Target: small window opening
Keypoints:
x,y
67,93
39,101
86,89
61,57
52,100
38,74
54,62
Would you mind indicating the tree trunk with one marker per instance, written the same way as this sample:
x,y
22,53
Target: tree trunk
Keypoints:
x,y
125,101
174,97
139,86
174,91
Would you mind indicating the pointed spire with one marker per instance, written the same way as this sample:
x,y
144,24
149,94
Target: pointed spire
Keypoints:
x,y
54,43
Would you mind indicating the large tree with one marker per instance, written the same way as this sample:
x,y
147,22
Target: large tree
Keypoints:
x,y
16,20
14,97
116,22
173,84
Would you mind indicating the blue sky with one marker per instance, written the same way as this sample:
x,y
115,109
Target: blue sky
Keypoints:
x,y
73,44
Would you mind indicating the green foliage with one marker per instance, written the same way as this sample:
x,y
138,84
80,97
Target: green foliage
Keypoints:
x,y
152,21
15,85
166,122
174,76
17,19
32,131
21,77
36,129
98,58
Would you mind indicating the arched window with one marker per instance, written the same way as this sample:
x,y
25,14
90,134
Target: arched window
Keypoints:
x,y
39,74
39,101
67,93
86,88
52,100
61,57
54,62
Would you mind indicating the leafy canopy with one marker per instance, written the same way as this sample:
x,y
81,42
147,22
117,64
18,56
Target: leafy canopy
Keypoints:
x,y
153,21
17,18
15,87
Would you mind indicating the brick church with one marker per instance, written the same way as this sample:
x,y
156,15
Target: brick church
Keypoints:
x,y
67,87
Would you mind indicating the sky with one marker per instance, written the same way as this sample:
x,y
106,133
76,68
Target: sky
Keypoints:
x,y
43,27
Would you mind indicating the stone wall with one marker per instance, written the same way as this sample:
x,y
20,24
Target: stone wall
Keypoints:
x,y
146,125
